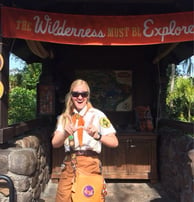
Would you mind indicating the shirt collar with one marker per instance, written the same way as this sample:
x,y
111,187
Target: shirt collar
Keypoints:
x,y
82,112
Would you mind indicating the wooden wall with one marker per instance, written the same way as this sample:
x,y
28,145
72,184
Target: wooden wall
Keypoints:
x,y
138,59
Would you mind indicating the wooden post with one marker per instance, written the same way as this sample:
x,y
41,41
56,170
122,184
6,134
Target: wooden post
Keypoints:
x,y
4,79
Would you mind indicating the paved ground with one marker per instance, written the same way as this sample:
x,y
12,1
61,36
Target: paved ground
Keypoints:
x,y
119,191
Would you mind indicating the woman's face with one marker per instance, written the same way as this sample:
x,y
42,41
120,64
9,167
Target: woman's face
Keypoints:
x,y
79,96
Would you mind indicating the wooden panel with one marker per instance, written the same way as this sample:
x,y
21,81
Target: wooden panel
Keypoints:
x,y
57,159
114,160
135,158
139,158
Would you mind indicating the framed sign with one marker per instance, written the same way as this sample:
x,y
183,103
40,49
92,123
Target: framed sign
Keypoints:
x,y
111,90
46,99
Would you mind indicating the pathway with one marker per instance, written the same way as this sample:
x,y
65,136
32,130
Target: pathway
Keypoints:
x,y
121,191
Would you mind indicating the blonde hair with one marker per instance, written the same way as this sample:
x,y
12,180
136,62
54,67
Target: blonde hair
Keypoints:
x,y
68,111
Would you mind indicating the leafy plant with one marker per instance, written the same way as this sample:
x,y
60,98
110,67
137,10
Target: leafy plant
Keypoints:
x,y
180,98
22,95
22,105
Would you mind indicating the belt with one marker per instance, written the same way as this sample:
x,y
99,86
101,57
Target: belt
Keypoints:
x,y
83,153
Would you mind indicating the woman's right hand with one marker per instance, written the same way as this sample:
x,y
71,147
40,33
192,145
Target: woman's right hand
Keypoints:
x,y
69,129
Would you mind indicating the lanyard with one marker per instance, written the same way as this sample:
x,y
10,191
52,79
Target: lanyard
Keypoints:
x,y
73,155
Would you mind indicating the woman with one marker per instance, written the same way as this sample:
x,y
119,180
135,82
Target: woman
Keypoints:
x,y
82,129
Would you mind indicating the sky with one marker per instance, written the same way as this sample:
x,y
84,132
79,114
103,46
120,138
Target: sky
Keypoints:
x,y
180,66
16,62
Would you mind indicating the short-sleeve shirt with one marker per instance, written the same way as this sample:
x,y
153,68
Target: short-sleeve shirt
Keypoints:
x,y
100,121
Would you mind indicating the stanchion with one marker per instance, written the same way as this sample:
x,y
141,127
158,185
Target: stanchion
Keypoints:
x,y
10,185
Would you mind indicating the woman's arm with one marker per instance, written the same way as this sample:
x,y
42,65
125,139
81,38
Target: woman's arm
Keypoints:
x,y
59,136
58,139
110,140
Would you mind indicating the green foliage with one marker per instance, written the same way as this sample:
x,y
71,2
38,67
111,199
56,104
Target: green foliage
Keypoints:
x,y
30,76
22,105
190,135
180,99
22,95
15,80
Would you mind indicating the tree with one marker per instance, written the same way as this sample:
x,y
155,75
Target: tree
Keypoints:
x,y
22,95
180,101
180,92
30,76
22,105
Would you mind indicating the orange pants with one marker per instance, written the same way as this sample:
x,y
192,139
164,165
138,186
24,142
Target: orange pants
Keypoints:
x,y
91,165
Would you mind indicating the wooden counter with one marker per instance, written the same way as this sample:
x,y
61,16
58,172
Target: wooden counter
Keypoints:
x,y
134,158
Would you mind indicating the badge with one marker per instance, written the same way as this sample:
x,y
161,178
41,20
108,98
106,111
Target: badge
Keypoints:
x,y
104,122
88,191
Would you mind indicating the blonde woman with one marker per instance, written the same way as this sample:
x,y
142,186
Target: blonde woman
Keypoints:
x,y
82,129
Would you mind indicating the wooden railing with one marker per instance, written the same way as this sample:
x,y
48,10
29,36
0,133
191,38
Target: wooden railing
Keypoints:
x,y
184,126
12,131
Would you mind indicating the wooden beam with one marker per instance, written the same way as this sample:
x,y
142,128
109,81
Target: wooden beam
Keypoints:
x,y
164,53
6,134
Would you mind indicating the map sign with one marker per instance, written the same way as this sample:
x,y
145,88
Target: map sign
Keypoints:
x,y
110,90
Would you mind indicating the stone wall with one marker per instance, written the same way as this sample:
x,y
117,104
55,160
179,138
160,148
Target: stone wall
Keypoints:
x,y
27,162
176,164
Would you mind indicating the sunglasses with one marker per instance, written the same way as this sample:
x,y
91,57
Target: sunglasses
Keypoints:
x,y
77,94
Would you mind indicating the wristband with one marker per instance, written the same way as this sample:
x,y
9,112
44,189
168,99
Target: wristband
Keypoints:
x,y
99,138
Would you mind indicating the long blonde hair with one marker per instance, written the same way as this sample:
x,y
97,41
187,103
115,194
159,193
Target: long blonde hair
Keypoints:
x,y
69,106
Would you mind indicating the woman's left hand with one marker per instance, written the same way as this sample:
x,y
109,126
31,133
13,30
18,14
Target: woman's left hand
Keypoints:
x,y
91,130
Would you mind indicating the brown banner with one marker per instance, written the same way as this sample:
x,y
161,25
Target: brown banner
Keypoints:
x,y
97,30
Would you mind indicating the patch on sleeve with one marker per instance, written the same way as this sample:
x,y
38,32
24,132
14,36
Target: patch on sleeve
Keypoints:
x,y
104,122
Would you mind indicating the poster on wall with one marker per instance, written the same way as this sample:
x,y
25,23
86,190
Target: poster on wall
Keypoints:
x,y
110,90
